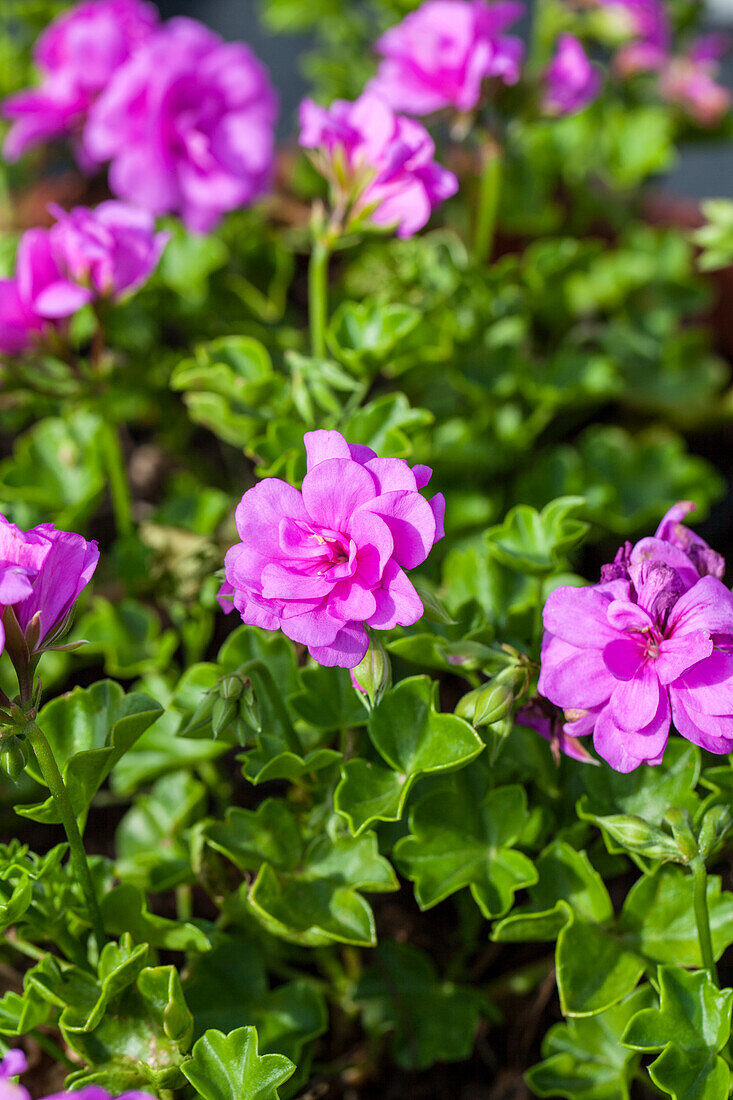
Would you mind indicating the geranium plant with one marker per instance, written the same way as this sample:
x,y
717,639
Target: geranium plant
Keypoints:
x,y
366,695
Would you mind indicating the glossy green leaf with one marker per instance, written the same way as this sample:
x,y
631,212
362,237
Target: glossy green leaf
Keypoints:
x,y
229,1067
691,1027
584,1059
413,738
457,840
89,731
536,542
429,1020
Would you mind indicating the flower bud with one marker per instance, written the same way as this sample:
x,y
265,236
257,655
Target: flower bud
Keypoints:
x,y
231,687
223,714
373,676
13,756
489,703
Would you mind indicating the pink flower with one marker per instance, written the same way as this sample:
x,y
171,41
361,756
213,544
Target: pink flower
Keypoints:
x,y
321,563
40,295
88,254
645,23
111,250
188,124
42,574
440,55
14,1063
534,718
650,645
688,81
77,54
380,165
571,81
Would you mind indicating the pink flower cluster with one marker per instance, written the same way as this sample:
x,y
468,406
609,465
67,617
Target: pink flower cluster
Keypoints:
x,y
42,573
650,645
686,80
380,166
440,55
77,55
107,252
322,564
14,1063
185,119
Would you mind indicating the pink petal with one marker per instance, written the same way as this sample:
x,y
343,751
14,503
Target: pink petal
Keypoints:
x,y
374,543
579,616
437,503
680,652
624,615
710,731
411,522
334,489
635,702
322,445
708,606
573,678
625,750
347,650
352,600
398,604
391,474
624,657
61,299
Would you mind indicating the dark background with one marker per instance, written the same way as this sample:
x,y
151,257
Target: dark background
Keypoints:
x,y
705,169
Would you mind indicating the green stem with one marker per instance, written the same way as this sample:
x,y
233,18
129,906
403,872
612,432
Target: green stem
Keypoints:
x,y
54,782
259,670
119,487
488,203
702,916
318,296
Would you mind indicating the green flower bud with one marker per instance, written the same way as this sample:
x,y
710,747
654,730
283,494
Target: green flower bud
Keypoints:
x,y
231,687
373,676
13,756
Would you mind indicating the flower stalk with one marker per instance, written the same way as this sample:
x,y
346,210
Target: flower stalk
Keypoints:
x,y
318,295
702,914
489,190
119,487
54,781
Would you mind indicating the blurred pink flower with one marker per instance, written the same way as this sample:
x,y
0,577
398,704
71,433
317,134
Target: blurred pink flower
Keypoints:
x,y
380,165
689,81
571,80
441,54
321,564
77,55
188,125
105,252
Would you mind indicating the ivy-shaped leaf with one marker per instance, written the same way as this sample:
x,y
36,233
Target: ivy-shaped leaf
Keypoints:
x,y
229,1067
124,909
690,1027
537,542
413,738
584,1059
459,840
430,1020
567,883
89,730
306,891
599,963
228,988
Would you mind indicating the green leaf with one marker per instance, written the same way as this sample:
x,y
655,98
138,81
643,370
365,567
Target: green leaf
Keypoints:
x,y
647,792
385,425
306,891
584,1059
599,963
149,842
128,636
228,988
458,839
229,1067
690,1027
124,909
365,334
430,1020
537,542
328,700
413,738
56,471
89,730
189,259
566,884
